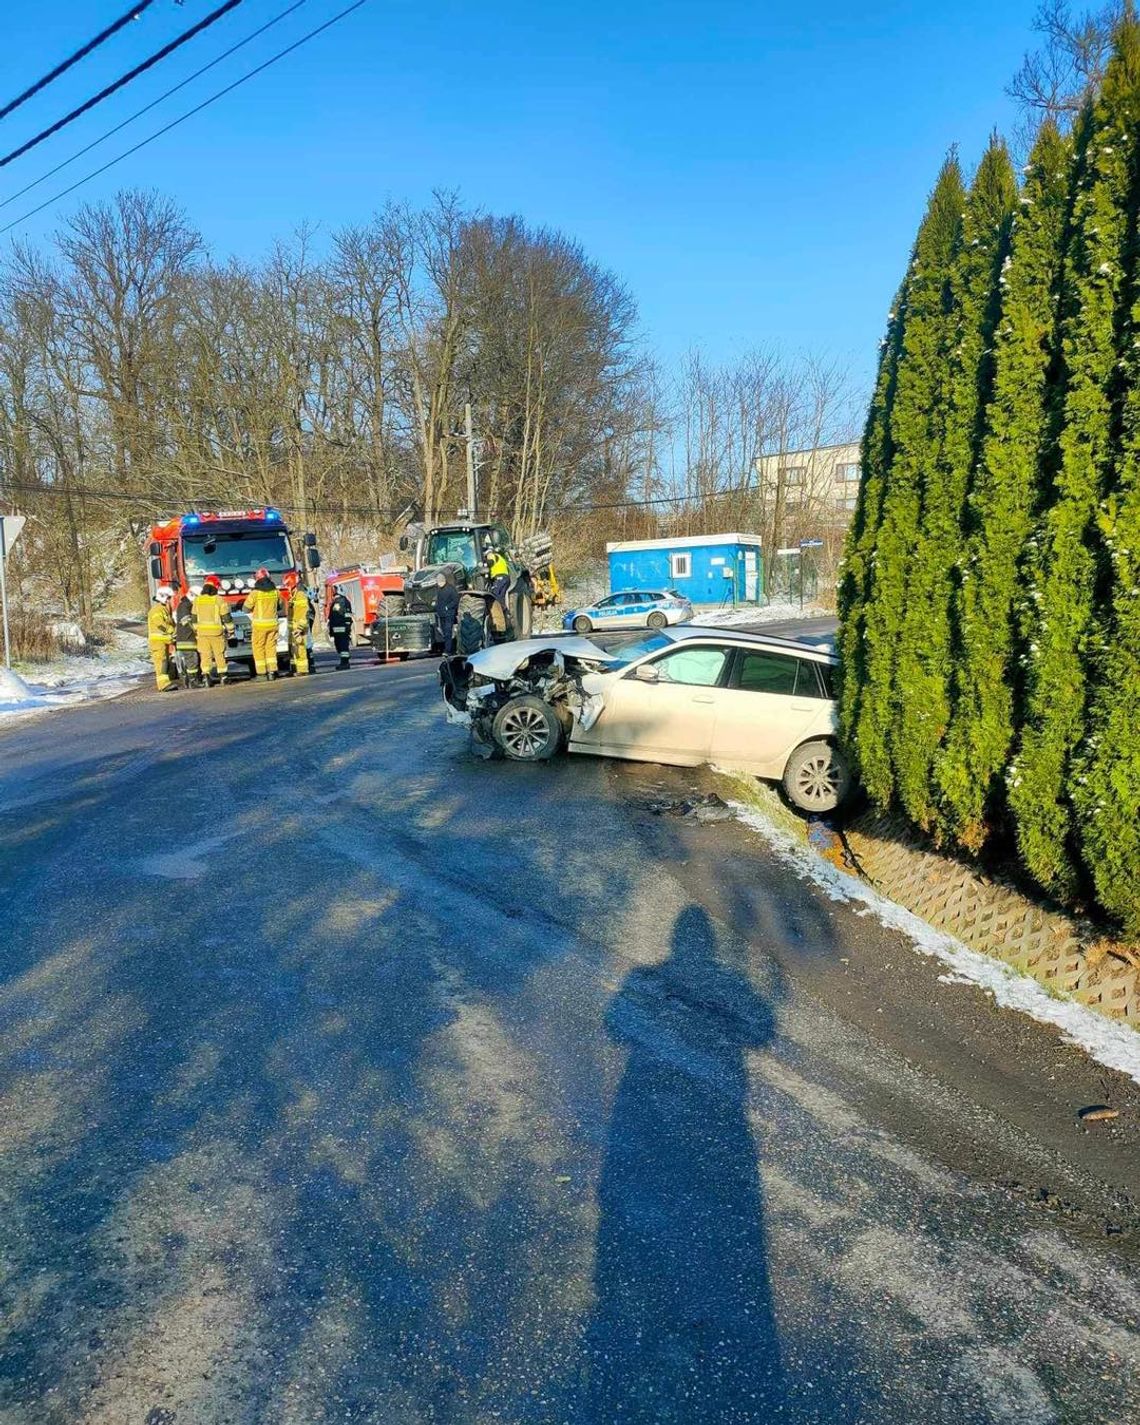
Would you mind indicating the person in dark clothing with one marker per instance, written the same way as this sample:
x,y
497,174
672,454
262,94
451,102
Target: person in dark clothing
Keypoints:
x,y
186,643
340,626
446,610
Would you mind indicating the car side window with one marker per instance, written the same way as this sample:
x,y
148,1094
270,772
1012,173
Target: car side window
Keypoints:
x,y
611,602
764,672
695,667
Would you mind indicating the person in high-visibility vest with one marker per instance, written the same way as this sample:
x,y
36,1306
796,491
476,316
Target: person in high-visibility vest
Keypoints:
x,y
212,622
299,614
159,636
264,608
499,581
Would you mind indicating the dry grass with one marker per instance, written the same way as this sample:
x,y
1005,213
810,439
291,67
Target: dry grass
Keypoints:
x,y
31,634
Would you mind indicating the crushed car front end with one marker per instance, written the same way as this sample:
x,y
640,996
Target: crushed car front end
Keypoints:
x,y
523,699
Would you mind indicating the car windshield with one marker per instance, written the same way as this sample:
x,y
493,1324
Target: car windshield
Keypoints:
x,y
225,554
628,653
453,547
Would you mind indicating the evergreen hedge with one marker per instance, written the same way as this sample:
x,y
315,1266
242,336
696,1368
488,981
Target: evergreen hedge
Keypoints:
x,y
923,671
914,427
1063,570
1001,506
990,593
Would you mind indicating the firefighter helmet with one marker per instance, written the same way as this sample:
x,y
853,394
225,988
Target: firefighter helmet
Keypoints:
x,y
164,593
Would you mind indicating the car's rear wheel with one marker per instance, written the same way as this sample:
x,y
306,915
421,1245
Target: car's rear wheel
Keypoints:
x,y
817,777
527,730
582,624
656,619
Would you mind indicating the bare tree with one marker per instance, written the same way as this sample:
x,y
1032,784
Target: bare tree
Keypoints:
x,y
1057,78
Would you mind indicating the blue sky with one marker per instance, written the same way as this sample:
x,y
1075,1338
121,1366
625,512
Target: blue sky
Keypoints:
x,y
754,172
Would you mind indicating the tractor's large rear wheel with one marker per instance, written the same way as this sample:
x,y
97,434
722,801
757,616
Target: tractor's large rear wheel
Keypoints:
x,y
522,612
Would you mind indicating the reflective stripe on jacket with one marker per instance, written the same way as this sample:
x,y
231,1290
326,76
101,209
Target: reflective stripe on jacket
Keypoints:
x,y
340,615
261,606
184,624
211,614
299,611
159,624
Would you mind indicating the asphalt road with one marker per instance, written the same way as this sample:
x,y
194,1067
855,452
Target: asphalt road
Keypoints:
x,y
345,1077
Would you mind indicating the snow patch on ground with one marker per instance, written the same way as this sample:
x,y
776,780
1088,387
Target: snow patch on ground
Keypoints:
x,y
770,613
64,682
1112,1044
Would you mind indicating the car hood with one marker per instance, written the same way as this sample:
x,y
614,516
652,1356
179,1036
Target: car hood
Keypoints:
x,y
505,659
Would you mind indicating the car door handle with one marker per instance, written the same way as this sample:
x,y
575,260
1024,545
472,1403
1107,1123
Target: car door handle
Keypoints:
x,y
702,698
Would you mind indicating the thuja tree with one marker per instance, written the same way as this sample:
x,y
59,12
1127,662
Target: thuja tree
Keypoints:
x,y
1003,500
914,429
924,659
1106,788
874,462
1062,576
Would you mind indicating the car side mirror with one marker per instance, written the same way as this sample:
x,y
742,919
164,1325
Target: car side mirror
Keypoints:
x,y
646,673
156,569
404,542
313,557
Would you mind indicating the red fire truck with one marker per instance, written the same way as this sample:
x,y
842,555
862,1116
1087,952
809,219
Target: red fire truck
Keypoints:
x,y
233,544
371,592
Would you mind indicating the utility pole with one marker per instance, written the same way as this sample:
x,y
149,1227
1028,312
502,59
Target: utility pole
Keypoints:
x,y
472,511
10,527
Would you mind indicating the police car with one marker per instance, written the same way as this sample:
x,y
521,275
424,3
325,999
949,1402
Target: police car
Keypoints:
x,y
635,609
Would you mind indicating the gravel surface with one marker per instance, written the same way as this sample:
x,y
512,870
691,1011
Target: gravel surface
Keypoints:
x,y
346,1077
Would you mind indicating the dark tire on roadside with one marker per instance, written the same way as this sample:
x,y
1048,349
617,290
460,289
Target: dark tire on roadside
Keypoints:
x,y
527,730
582,624
817,778
656,620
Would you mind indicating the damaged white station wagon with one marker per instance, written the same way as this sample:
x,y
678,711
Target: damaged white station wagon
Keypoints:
x,y
684,696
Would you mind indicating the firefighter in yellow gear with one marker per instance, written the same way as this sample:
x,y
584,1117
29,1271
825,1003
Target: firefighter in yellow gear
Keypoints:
x,y
264,608
299,615
160,635
212,622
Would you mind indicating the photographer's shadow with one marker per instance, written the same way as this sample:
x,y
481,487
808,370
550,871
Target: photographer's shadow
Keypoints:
x,y
682,1327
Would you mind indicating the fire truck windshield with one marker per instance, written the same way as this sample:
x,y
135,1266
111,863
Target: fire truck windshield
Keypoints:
x,y
225,554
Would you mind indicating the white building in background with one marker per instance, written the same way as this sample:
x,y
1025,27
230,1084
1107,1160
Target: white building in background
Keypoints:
x,y
819,485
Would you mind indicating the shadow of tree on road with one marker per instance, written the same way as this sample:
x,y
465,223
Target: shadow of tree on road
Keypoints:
x,y
683,1327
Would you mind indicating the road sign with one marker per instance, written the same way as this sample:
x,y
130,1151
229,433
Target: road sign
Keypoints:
x,y
811,543
10,527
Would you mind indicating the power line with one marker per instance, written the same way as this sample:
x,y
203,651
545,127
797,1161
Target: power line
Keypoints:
x,y
153,497
146,108
132,14
204,24
189,114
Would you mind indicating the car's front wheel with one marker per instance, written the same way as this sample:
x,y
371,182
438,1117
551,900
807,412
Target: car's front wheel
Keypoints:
x,y
817,777
656,619
527,730
582,624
